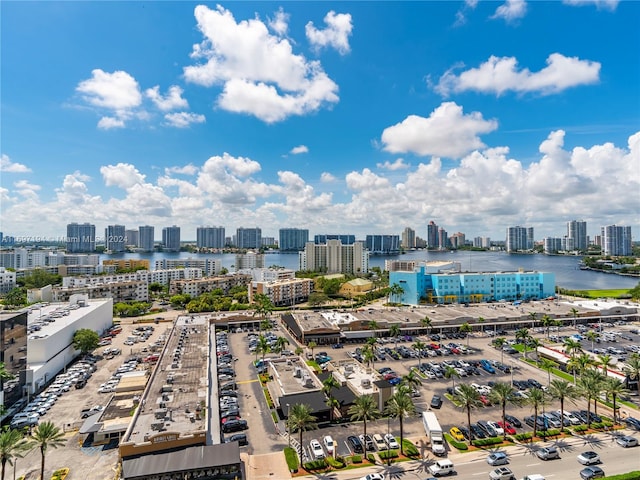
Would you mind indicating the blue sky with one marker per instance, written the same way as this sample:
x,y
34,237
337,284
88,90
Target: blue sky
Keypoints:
x,y
340,117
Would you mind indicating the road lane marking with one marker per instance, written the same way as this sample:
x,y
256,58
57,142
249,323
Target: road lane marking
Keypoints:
x,y
248,381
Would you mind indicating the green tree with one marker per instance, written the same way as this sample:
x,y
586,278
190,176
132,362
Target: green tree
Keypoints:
x,y
614,388
395,291
465,328
368,356
12,445
533,316
85,340
632,368
522,335
547,365
452,373
536,400
39,278
281,342
16,297
574,313
427,323
467,397
317,298
311,346
373,325
394,332
572,347
400,406
562,390
262,347
364,408
262,305
45,436
591,336
503,393
605,361
547,323
301,420
588,386
419,346
499,343
328,385
411,379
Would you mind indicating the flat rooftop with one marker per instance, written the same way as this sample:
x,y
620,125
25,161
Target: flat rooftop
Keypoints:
x,y
176,397
60,316
358,377
292,375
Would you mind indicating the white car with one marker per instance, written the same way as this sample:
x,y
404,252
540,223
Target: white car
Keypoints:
x,y
499,430
588,458
316,449
373,476
391,441
379,442
329,444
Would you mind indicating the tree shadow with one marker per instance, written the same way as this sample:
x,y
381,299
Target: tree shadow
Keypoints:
x,y
592,441
333,475
563,446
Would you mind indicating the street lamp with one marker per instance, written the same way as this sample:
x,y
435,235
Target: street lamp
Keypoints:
x,y
512,365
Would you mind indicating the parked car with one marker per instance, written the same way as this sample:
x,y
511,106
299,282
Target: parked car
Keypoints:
x,y
547,453
234,426
513,421
316,449
367,441
627,441
456,434
591,472
391,441
379,442
589,458
501,473
506,426
497,458
329,444
355,444
372,476
436,401
241,438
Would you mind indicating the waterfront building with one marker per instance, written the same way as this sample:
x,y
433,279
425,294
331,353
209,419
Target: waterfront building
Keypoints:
x,y
616,240
146,238
293,239
249,238
324,238
457,240
268,241
408,238
577,239
81,238
553,245
127,263
171,238
432,235
196,287
383,244
289,291
115,238
519,239
268,274
443,239
132,238
334,257
420,285
209,266
118,291
210,237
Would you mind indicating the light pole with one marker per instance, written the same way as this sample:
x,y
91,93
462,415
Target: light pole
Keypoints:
x,y
512,365
287,426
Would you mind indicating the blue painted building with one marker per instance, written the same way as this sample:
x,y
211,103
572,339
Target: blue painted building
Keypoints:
x,y
420,286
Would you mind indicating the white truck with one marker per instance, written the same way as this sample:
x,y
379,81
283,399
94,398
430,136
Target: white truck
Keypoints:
x,y
434,433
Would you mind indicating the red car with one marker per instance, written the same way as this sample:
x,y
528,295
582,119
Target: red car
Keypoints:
x,y
485,401
507,428
226,419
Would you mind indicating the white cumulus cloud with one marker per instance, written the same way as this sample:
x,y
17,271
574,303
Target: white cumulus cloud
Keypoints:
x,y
123,175
280,22
599,4
6,165
336,34
183,119
511,10
399,164
259,73
299,149
171,101
447,132
501,74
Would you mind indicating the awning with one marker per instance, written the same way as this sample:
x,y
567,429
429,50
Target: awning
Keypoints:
x,y
91,424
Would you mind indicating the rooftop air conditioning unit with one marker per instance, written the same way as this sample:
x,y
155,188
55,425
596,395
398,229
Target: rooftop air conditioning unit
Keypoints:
x,y
308,382
298,372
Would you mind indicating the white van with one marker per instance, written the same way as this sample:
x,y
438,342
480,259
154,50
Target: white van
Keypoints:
x,y
441,468
533,476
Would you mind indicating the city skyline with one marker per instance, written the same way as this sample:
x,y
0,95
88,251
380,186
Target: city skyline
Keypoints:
x,y
305,115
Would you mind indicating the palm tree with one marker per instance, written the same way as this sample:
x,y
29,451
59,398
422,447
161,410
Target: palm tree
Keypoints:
x,y
280,344
368,356
411,379
465,328
533,316
419,347
373,325
467,397
427,323
364,408
561,390
591,336
452,373
45,436
536,400
614,388
311,346
399,406
522,334
572,347
547,322
574,313
395,291
4,375
584,361
394,332
332,404
499,343
588,386
262,347
12,445
605,360
632,368
328,385
503,393
300,420
547,365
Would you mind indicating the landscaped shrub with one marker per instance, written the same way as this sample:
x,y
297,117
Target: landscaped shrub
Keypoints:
x,y
292,458
387,454
523,436
318,464
552,432
625,476
483,442
274,416
337,462
455,443
267,395
409,449
371,458
580,428
356,458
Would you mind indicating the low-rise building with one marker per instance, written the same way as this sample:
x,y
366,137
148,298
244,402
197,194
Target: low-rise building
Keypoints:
x,y
199,286
283,292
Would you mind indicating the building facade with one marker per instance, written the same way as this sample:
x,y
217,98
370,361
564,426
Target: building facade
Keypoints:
x,y
577,239
519,239
334,257
324,238
197,287
408,238
146,238
249,260
13,353
383,244
115,238
210,237
250,238
81,238
132,238
171,238
209,266
616,240
553,245
7,280
283,292
293,239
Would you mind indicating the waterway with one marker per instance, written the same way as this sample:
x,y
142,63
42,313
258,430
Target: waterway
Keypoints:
x,y
566,268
